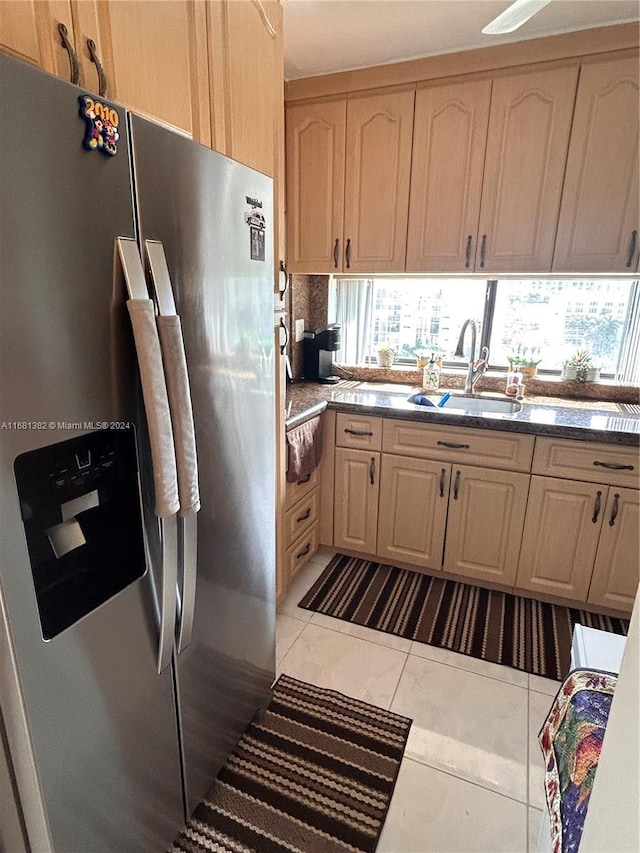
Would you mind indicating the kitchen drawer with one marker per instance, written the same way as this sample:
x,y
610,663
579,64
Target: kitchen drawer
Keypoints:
x,y
301,551
582,460
358,431
297,490
301,516
487,448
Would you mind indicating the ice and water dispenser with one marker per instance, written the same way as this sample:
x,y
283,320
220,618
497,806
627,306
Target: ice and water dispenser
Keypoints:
x,y
80,505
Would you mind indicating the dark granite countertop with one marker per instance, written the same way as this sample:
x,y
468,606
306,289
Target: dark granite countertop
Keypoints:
x,y
592,421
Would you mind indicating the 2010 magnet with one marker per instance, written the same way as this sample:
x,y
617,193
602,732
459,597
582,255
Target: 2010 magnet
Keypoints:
x,y
102,125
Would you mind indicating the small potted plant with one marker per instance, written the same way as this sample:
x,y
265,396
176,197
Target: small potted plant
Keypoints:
x,y
580,367
386,355
525,360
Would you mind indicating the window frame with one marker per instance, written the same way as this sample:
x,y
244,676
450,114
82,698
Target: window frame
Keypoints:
x,y
491,291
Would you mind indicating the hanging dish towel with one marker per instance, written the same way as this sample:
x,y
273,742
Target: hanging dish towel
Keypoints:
x,y
304,449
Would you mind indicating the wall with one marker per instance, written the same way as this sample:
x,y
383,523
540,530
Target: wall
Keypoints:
x,y
309,302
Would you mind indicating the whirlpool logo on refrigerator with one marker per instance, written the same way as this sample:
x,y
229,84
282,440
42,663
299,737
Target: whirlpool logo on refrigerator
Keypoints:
x,y
256,222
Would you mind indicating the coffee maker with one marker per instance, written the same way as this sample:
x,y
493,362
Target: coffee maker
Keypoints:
x,y
317,353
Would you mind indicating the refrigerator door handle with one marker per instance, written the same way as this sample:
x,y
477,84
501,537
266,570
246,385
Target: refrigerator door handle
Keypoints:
x,y
168,592
188,527
156,404
175,366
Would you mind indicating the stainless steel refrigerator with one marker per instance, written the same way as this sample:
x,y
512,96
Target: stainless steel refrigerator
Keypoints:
x,y
134,648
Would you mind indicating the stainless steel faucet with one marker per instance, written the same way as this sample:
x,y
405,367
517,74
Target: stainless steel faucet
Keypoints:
x,y
475,371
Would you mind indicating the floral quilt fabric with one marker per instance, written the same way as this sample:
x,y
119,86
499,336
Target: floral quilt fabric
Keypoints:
x,y
571,740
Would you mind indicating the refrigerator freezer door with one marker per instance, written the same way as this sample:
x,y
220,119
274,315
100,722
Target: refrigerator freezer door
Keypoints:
x,y
206,211
90,725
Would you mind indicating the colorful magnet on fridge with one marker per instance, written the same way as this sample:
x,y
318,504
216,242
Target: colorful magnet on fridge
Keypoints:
x,y
102,125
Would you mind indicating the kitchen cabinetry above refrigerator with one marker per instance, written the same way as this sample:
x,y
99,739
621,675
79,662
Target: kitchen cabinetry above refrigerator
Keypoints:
x,y
192,65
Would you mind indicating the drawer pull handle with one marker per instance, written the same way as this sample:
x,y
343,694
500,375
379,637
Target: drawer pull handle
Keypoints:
x,y
347,254
304,480
456,486
483,250
614,510
614,466
372,470
336,246
453,445
358,431
305,516
596,509
632,248
442,473
467,256
304,551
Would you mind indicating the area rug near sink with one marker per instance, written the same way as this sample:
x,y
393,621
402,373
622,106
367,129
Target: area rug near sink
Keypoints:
x,y
315,774
494,626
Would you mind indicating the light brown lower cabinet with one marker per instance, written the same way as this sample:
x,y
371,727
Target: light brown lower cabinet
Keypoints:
x,y
413,510
581,542
616,571
484,527
357,485
548,535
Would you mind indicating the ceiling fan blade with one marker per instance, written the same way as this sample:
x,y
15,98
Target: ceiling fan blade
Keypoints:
x,y
515,16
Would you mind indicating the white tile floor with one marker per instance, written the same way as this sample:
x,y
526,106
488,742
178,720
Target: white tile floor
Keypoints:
x,y
471,777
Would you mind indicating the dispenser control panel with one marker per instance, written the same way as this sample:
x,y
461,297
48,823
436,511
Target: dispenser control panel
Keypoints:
x,y
80,506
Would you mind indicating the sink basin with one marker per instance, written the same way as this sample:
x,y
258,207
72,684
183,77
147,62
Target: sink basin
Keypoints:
x,y
470,404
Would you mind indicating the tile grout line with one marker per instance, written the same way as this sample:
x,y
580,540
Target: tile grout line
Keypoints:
x,y
464,779
406,659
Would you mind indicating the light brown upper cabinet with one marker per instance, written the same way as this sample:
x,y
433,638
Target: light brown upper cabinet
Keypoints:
x,y
348,170
598,227
527,141
153,56
30,31
449,138
315,138
244,43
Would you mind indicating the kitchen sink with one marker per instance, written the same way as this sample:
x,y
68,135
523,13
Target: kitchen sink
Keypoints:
x,y
469,403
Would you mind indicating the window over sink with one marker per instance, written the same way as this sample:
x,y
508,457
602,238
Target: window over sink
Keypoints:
x,y
545,320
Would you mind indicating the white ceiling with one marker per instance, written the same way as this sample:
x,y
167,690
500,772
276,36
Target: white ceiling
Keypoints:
x,y
323,36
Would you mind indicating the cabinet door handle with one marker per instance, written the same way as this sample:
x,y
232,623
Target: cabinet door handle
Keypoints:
x,y
372,470
347,254
596,509
467,256
336,246
442,473
357,431
305,516
453,445
632,247
102,77
614,510
614,466
456,486
483,250
74,67
304,551
282,290
283,347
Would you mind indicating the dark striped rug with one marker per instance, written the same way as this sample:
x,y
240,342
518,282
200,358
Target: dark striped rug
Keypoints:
x,y
495,626
315,774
